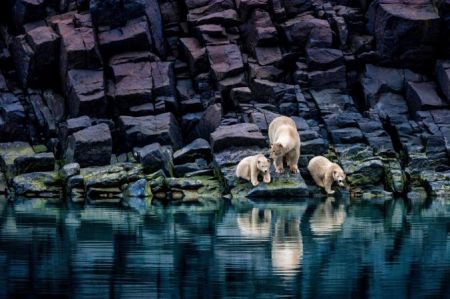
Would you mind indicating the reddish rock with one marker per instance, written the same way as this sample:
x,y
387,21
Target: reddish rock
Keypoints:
x,y
134,35
225,60
195,54
307,31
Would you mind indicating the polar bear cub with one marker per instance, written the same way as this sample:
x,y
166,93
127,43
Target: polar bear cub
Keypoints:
x,y
324,172
284,143
250,167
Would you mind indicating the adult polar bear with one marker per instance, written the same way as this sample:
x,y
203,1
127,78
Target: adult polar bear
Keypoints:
x,y
284,143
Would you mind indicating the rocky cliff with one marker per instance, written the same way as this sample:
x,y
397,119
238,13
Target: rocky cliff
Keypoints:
x,y
128,98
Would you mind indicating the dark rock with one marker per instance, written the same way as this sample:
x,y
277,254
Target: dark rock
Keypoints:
x,y
86,92
307,31
143,130
154,157
13,121
134,35
35,163
331,78
259,30
37,184
281,187
225,60
141,189
443,77
70,170
209,121
422,96
163,78
199,148
196,166
9,152
414,31
240,95
245,7
35,53
77,124
244,134
89,147
133,84
347,135
323,58
195,54
78,47
26,11
268,55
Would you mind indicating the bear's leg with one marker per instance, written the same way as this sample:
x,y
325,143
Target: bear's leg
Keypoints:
x,y
318,179
278,164
328,181
266,177
292,161
254,176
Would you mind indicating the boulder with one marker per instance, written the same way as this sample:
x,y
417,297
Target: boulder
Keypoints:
x,y
141,189
70,170
331,78
78,47
422,96
225,60
347,135
134,35
26,11
192,167
443,77
86,92
9,152
154,157
195,55
243,134
210,119
34,163
143,130
413,27
90,147
133,84
36,53
324,58
163,78
307,31
282,187
199,148
37,184
13,120
259,30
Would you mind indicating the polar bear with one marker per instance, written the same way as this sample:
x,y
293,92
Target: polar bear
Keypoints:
x,y
324,172
284,143
250,167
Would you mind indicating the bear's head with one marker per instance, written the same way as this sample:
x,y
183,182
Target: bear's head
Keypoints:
x,y
339,175
262,164
276,150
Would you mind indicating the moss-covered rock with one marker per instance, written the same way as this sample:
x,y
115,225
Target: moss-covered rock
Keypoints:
x,y
37,184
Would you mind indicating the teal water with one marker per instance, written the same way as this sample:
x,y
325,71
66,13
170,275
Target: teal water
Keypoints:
x,y
270,249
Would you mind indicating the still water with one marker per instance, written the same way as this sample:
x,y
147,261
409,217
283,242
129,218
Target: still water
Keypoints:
x,y
271,249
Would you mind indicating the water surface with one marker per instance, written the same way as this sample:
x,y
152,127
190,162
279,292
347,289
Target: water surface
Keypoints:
x,y
271,249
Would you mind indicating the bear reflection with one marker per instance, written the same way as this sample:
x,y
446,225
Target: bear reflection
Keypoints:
x,y
255,223
328,217
287,245
286,241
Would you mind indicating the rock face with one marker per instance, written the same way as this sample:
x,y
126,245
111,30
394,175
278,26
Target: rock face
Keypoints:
x,y
163,98
414,31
